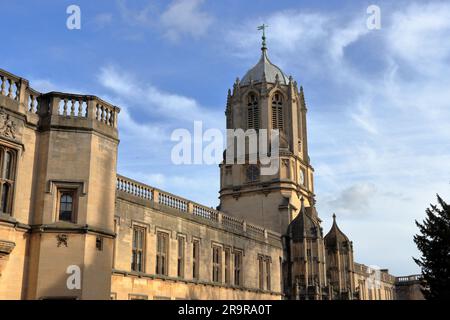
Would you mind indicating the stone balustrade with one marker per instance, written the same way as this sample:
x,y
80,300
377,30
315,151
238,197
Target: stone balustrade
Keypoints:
x,y
10,85
34,103
411,278
134,188
184,206
82,106
57,104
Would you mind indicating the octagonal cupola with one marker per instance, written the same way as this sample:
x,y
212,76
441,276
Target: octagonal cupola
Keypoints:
x,y
266,71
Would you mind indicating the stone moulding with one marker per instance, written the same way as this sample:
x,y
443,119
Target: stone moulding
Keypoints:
x,y
6,247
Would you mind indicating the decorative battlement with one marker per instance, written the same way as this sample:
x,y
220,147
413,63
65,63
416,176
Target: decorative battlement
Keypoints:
x,y
57,108
165,200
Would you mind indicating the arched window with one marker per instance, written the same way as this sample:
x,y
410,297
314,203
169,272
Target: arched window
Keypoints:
x,y
66,206
277,111
252,112
7,165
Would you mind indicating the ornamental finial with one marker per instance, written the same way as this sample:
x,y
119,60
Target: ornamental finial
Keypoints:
x,y
263,27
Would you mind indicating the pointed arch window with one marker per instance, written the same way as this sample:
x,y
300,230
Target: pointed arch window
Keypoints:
x,y
252,111
7,178
277,111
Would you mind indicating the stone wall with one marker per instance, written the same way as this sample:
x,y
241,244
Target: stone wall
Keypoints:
x,y
138,206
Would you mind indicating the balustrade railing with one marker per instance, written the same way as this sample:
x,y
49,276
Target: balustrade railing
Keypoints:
x,y
173,201
9,85
255,231
34,102
66,105
412,278
134,188
72,105
205,212
83,106
232,223
156,196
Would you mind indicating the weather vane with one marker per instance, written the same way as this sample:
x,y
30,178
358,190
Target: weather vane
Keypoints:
x,y
263,27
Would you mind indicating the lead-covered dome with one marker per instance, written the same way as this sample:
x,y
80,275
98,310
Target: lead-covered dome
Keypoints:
x,y
265,68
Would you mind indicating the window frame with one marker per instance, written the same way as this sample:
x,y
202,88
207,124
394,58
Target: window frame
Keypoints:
x,y
253,112
74,194
216,264
181,256
268,278
196,259
135,250
162,253
261,272
227,265
10,180
238,267
277,111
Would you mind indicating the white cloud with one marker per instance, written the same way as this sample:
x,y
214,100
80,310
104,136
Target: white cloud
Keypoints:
x,y
416,36
185,17
154,101
180,18
354,200
144,16
104,19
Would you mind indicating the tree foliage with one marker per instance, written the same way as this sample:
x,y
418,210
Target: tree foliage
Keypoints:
x,y
433,241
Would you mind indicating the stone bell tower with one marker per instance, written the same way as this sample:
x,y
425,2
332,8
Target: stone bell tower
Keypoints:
x,y
266,98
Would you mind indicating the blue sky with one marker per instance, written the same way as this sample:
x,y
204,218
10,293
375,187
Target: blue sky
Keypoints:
x,y
378,100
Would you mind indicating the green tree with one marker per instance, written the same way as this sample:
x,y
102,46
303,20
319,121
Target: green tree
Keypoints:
x,y
433,241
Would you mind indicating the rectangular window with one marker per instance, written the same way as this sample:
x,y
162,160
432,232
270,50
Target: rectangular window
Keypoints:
x,y
264,272
99,243
261,272
268,279
66,205
7,178
138,254
217,264
227,265
195,259
162,253
181,250
238,268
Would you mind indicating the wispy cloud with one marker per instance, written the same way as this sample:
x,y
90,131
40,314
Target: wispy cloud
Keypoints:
x,y
185,17
177,19
152,101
